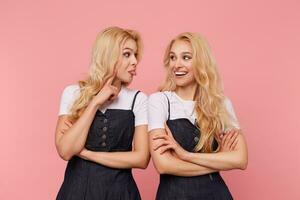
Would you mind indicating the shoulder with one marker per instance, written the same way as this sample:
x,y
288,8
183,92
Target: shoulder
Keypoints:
x,y
227,103
71,90
159,96
68,97
140,96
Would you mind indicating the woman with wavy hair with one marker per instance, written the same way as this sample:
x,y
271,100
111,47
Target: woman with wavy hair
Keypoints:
x,y
102,125
194,132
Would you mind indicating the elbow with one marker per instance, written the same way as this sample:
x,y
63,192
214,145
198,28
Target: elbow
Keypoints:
x,y
160,168
242,164
143,162
64,155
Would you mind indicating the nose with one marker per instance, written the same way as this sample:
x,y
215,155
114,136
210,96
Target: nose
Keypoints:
x,y
133,61
177,63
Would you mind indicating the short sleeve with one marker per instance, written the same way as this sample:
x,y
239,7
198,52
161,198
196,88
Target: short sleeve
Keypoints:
x,y
140,109
67,99
231,112
157,111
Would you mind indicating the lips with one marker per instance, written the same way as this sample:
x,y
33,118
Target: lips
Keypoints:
x,y
132,72
180,73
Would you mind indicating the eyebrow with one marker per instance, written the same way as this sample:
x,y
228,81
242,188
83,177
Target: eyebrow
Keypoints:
x,y
127,48
186,52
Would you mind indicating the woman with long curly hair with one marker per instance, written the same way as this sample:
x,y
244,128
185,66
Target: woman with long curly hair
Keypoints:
x,y
194,132
102,125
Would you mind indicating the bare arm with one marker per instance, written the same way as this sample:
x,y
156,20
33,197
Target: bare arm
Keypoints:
x,y
236,159
166,163
137,158
71,141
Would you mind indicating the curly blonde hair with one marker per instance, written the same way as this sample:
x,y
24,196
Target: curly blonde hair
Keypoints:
x,y
105,55
212,116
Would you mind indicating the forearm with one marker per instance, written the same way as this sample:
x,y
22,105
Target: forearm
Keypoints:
x,y
236,159
168,164
73,140
219,161
121,160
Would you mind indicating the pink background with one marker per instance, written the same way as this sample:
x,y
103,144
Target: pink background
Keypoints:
x,y
45,46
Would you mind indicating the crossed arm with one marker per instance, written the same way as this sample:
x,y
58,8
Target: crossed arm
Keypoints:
x,y
70,140
170,158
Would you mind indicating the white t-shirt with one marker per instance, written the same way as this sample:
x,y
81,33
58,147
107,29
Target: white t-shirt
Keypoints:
x,y
123,101
179,108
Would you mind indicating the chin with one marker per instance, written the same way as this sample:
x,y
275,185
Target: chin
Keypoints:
x,y
183,83
126,81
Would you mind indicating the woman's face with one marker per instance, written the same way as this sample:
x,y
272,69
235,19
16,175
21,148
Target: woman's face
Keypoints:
x,y
180,63
127,62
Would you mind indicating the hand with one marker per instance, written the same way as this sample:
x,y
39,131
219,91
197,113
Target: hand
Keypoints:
x,y
169,143
228,141
67,126
108,92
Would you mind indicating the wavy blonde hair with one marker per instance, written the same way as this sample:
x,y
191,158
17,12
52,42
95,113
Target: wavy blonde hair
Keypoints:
x,y
105,55
211,115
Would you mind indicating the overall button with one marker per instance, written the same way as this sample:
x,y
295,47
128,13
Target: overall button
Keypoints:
x,y
196,139
103,144
105,120
104,128
103,136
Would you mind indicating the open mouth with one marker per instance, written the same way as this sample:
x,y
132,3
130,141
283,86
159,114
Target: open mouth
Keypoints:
x,y
180,74
133,72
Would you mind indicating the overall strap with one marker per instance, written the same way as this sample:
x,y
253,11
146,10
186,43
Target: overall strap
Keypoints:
x,y
134,99
168,106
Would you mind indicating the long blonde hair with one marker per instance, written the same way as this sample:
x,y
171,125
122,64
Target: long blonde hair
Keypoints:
x,y
105,55
211,115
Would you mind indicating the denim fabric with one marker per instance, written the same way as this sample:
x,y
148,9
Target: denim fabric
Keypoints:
x,y
204,187
85,180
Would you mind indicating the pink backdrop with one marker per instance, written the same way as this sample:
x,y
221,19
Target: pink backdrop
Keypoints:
x,y
45,46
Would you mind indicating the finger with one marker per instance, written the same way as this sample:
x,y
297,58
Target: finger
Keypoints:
x,y
165,148
219,136
224,139
68,123
161,144
167,129
229,136
161,137
111,78
232,139
233,145
114,92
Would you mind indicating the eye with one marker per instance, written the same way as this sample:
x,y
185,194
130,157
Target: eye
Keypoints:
x,y
187,57
172,57
127,54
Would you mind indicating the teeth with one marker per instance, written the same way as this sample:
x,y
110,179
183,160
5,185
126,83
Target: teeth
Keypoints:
x,y
180,73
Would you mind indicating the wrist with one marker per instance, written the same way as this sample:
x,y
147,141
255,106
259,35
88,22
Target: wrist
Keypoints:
x,y
95,104
187,156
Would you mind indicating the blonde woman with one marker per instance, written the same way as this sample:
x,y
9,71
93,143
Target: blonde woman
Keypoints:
x,y
99,120
194,132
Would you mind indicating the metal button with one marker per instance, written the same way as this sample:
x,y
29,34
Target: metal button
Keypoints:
x,y
105,120
104,128
103,136
103,144
196,139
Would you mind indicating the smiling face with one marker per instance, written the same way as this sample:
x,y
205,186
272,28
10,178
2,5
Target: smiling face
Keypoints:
x,y
180,63
127,62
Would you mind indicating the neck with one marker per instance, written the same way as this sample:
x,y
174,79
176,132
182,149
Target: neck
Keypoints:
x,y
187,92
